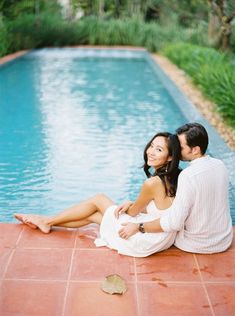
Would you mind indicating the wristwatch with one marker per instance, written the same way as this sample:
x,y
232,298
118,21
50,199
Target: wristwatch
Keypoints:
x,y
141,228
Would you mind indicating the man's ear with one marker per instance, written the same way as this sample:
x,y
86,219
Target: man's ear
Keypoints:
x,y
196,150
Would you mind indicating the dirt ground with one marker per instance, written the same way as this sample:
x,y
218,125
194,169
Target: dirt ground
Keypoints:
x,y
206,107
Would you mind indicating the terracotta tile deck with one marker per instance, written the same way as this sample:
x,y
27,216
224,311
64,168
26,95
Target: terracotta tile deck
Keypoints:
x,y
60,275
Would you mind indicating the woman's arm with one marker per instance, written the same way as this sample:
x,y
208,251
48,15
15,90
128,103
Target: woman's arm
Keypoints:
x,y
122,208
147,193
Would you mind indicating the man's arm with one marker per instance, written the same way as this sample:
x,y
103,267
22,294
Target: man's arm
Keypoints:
x,y
153,227
174,218
130,229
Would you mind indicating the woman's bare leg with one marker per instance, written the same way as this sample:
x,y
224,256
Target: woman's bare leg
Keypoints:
x,y
98,203
94,218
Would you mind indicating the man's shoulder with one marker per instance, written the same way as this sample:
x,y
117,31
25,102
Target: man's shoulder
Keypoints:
x,y
185,173
207,165
216,162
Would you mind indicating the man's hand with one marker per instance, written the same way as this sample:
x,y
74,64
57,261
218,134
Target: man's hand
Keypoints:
x,y
128,230
122,208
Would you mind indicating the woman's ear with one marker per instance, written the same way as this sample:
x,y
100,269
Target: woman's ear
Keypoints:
x,y
169,158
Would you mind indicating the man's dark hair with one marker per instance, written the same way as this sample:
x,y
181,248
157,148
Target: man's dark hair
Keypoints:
x,y
195,134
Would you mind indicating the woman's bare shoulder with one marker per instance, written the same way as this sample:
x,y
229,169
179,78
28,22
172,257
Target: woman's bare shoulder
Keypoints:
x,y
153,182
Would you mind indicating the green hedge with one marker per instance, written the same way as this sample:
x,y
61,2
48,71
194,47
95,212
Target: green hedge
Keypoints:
x,y
4,40
28,32
211,70
50,30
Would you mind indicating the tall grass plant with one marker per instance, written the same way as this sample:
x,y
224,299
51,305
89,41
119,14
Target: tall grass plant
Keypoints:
x,y
4,40
211,70
30,31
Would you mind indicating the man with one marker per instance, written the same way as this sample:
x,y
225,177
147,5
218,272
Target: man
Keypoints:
x,y
200,212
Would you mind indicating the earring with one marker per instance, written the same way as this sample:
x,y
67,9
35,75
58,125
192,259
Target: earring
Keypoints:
x,y
167,167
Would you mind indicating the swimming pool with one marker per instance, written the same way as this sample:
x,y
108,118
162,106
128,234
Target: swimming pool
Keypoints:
x,y
74,122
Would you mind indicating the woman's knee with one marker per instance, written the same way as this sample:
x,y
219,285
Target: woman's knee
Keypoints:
x,y
101,196
102,202
95,218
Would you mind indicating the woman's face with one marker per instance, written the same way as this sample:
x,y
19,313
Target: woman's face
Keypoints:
x,y
157,153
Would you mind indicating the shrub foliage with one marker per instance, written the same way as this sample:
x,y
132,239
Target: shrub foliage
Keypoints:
x,y
211,70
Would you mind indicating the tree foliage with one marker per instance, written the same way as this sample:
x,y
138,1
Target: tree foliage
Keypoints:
x,y
189,14
221,14
14,8
186,10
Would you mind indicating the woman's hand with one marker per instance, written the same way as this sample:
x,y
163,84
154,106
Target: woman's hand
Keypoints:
x,y
122,208
128,230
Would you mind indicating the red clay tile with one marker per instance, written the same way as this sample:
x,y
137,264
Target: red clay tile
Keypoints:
x,y
222,298
4,257
31,298
170,265
58,238
217,267
86,236
9,234
88,299
172,300
44,264
39,260
232,247
94,265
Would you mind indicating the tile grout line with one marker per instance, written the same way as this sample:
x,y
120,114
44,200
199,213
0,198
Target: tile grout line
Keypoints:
x,y
56,248
136,288
58,280
12,253
203,285
69,274
8,263
171,282
19,237
129,282
35,280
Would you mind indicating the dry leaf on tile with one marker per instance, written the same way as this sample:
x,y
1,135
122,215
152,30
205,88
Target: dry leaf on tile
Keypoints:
x,y
114,284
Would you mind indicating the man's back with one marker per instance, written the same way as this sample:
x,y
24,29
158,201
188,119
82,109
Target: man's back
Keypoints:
x,y
200,212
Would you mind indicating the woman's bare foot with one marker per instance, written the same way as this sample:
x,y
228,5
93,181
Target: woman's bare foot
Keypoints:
x,y
22,219
34,221
39,222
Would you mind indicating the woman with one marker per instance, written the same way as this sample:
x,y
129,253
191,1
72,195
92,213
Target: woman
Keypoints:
x,y
161,155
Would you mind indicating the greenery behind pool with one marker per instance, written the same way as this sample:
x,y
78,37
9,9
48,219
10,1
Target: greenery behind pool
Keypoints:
x,y
176,29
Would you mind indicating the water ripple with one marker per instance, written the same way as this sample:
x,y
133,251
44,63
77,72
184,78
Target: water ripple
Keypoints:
x,y
72,127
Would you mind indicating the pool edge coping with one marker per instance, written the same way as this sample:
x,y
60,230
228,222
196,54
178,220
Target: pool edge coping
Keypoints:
x,y
7,58
217,145
191,113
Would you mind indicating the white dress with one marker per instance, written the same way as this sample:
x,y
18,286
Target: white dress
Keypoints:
x,y
138,245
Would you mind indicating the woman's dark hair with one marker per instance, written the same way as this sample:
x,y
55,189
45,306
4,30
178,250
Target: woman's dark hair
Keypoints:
x,y
195,134
170,171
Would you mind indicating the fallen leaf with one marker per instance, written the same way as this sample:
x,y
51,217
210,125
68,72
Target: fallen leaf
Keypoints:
x,y
114,284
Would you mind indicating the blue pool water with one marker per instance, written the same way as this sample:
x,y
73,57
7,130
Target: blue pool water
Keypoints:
x,y
74,122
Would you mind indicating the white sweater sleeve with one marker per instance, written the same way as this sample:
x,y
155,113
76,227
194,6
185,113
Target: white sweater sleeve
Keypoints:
x,y
174,219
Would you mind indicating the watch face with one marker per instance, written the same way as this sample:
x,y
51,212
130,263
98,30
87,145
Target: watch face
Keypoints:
x,y
141,228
